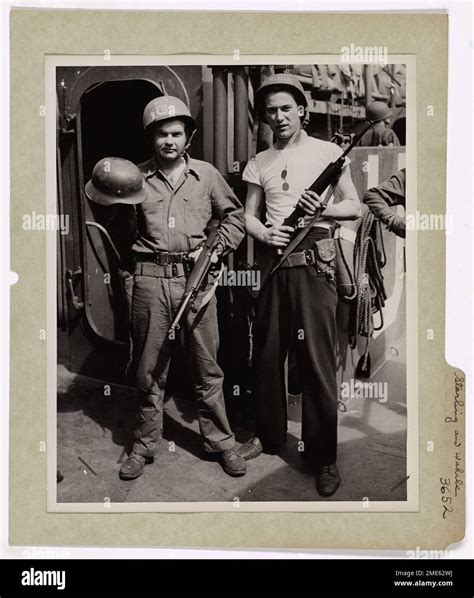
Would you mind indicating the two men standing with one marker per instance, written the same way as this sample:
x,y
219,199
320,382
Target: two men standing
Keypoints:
x,y
298,303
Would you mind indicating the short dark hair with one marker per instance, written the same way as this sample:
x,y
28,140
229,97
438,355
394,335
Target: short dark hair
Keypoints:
x,y
287,89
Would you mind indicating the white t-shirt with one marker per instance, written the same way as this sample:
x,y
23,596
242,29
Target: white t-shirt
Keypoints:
x,y
303,161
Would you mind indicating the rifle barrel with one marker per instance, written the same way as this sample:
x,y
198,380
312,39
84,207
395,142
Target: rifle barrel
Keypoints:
x,y
357,138
179,315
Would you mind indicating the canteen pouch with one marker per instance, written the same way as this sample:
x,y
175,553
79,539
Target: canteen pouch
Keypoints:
x,y
345,239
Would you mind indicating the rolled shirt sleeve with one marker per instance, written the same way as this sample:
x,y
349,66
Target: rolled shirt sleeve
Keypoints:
x,y
251,174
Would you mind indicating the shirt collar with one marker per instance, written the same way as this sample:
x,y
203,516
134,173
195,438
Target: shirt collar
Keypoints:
x,y
192,166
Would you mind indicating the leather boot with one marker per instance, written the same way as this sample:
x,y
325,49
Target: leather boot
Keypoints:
x,y
250,449
232,463
134,466
327,480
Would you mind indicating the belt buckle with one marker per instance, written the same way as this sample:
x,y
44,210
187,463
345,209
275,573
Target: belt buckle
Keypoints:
x,y
168,269
309,259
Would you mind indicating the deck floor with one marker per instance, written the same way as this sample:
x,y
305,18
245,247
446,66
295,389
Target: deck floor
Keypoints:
x,y
98,430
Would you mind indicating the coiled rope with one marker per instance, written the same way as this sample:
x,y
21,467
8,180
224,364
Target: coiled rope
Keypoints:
x,y
371,295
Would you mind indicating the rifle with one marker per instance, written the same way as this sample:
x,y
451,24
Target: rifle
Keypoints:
x,y
272,259
195,280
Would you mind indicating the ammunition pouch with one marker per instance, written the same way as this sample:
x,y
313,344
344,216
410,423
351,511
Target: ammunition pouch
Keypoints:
x,y
325,256
300,258
322,257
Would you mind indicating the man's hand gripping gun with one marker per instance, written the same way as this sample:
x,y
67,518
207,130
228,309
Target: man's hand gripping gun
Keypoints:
x,y
196,278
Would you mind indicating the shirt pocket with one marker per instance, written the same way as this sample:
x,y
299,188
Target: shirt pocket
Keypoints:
x,y
197,213
151,219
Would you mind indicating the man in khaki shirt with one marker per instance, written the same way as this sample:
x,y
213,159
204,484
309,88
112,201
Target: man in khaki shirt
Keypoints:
x,y
183,196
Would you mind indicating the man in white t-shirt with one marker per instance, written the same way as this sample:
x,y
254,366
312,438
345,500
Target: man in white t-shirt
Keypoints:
x,y
298,303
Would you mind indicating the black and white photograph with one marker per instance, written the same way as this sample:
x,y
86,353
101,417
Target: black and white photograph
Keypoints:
x,y
235,283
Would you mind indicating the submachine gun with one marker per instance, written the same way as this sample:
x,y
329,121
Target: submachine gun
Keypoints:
x,y
272,259
196,278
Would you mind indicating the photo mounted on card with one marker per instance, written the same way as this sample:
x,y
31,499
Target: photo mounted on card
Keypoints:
x,y
241,261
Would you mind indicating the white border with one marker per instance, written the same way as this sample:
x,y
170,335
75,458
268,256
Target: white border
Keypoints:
x,y
458,314
412,461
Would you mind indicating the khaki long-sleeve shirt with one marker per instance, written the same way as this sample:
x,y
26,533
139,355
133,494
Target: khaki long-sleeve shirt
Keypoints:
x,y
174,218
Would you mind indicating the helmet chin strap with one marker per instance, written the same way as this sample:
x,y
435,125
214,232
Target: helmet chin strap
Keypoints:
x,y
188,143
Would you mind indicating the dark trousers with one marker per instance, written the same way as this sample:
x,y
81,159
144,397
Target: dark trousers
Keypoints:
x,y
155,302
298,303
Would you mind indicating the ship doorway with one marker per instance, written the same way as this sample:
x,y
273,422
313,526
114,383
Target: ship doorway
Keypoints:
x,y
111,121
109,125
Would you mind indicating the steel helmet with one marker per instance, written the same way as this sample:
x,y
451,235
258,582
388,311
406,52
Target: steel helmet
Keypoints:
x,y
377,111
166,107
283,80
116,180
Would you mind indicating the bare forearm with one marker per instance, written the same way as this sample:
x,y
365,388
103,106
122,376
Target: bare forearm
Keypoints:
x,y
254,227
347,209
